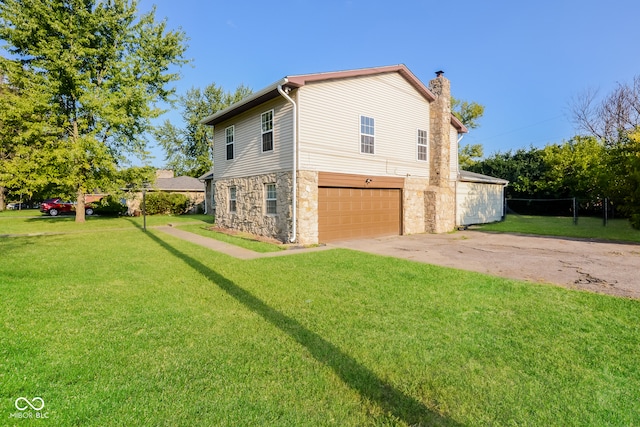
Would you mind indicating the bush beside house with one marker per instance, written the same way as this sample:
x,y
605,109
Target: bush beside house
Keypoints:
x,y
166,203
167,194
110,206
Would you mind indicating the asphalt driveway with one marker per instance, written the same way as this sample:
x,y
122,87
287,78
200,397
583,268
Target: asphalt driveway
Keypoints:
x,y
610,268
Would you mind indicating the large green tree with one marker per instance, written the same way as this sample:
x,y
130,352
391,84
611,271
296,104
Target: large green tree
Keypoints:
x,y
468,113
28,135
575,168
102,68
524,169
469,155
623,178
189,148
615,120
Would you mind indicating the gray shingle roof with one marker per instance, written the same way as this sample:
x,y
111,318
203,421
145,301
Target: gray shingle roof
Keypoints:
x,y
179,183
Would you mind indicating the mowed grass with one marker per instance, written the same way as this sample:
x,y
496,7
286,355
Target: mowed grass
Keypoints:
x,y
122,327
33,221
587,227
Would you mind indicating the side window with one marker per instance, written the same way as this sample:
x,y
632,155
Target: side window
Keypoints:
x,y
270,193
423,145
267,131
367,135
232,199
230,136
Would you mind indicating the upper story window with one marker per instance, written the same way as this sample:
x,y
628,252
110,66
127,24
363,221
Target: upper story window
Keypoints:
x,y
423,145
367,135
267,131
271,204
232,199
230,137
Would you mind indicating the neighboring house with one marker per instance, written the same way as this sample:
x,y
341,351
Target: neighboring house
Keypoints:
x,y
209,199
340,155
165,181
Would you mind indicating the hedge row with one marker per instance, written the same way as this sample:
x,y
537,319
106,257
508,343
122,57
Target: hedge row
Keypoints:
x,y
166,203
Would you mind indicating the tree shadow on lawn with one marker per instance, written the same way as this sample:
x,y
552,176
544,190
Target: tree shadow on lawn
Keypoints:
x,y
353,374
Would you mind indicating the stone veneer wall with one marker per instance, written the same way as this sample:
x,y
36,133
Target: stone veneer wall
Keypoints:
x,y
426,208
250,213
440,215
307,207
413,205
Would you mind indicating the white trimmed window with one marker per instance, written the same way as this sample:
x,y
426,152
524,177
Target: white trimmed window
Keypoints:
x,y
270,193
266,120
230,137
423,145
367,135
232,199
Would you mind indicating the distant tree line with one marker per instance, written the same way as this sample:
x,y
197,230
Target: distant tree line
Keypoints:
x,y
602,163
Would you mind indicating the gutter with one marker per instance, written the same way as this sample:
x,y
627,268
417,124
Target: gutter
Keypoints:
x,y
245,103
294,201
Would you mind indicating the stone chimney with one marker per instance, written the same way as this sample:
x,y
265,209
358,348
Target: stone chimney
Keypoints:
x,y
164,173
440,145
440,197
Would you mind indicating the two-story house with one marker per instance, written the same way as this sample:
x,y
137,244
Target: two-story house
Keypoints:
x,y
339,155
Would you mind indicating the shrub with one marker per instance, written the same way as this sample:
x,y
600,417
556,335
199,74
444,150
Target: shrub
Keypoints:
x,y
635,221
166,203
109,206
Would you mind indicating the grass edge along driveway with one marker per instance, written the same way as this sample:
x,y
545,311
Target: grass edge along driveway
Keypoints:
x,y
158,331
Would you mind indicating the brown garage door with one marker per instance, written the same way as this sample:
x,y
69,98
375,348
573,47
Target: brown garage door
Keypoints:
x,y
350,213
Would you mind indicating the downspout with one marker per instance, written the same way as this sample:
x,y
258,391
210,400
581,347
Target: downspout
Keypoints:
x,y
294,200
455,186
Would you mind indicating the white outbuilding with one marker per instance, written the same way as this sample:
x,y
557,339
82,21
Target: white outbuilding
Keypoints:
x,y
479,198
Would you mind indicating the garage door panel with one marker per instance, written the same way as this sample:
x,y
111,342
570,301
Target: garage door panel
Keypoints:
x,y
348,213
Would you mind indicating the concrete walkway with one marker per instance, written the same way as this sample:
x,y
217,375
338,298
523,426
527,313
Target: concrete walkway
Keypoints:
x,y
229,249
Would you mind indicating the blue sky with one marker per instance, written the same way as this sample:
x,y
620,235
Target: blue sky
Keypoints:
x,y
522,60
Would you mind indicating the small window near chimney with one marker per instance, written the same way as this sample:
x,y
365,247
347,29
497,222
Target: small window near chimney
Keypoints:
x,y
367,135
423,145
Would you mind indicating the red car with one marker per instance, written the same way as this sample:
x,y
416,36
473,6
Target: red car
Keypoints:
x,y
57,206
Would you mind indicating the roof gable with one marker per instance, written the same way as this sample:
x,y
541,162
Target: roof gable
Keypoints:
x,y
300,80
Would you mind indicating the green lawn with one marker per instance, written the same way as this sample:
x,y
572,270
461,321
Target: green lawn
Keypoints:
x,y
122,327
32,221
587,227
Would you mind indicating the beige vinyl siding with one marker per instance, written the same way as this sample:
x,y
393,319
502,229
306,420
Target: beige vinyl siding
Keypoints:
x,y
329,126
249,159
478,203
453,157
